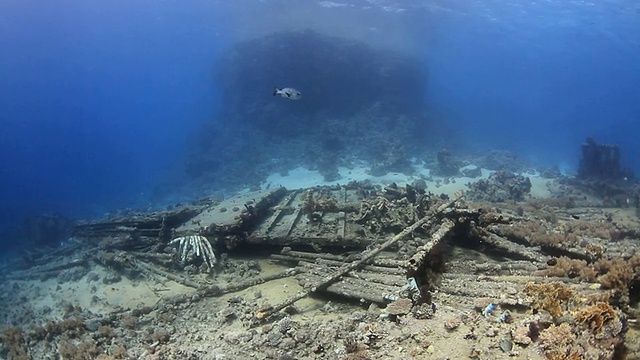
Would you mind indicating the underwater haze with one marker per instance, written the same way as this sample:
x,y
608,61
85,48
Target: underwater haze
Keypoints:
x,y
106,104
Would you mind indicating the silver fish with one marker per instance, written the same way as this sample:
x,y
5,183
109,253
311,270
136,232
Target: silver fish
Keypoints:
x,y
288,93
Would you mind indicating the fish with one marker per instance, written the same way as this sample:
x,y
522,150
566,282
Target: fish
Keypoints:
x,y
288,93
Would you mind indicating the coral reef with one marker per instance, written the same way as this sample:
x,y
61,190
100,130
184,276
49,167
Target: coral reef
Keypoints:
x,y
557,342
615,274
572,268
565,234
447,164
85,350
552,297
551,172
499,187
390,157
500,160
13,339
380,120
596,315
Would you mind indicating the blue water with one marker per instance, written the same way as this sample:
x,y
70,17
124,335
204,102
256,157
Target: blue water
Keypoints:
x,y
100,99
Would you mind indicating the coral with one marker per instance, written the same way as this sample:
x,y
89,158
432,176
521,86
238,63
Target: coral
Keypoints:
x,y
447,165
71,325
129,321
390,156
552,297
500,160
350,344
399,307
564,266
589,229
393,210
596,315
37,332
551,173
106,331
105,357
359,355
537,233
616,274
423,311
161,335
13,339
521,336
86,350
490,216
557,341
499,187
565,233
119,352
315,204
553,238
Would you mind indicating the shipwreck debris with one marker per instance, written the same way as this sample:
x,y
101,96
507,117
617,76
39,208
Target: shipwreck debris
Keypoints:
x,y
599,161
332,277
422,257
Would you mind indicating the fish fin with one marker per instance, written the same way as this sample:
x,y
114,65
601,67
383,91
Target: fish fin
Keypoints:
x,y
275,90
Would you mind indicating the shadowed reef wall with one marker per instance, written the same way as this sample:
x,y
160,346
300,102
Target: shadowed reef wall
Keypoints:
x,y
358,103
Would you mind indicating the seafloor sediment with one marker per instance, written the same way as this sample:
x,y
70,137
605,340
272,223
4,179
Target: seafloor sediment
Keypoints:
x,y
519,266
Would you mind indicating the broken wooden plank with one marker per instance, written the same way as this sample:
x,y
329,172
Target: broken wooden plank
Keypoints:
x,y
354,288
522,267
277,215
342,224
377,261
512,248
232,213
366,273
295,218
153,224
417,260
217,290
145,267
48,270
336,264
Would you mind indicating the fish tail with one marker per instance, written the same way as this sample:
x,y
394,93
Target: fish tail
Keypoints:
x,y
275,90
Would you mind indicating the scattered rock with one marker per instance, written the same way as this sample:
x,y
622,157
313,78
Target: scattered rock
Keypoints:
x,y
521,335
471,171
111,277
452,322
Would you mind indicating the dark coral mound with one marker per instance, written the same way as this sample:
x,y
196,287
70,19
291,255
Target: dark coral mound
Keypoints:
x,y
499,187
358,103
